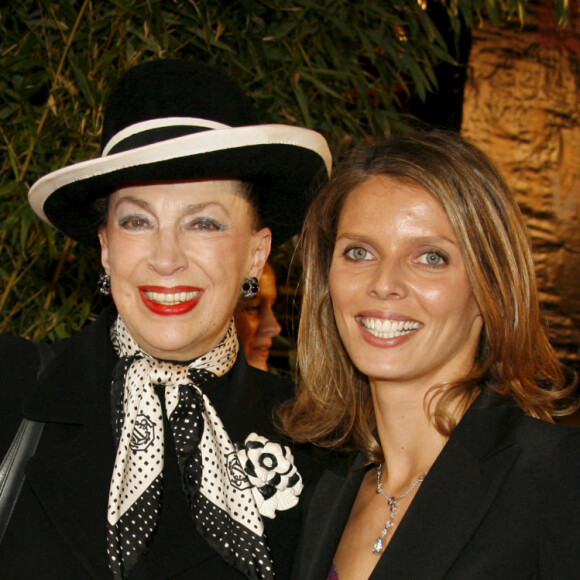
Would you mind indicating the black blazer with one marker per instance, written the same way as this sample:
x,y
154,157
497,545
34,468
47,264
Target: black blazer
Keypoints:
x,y
58,528
501,502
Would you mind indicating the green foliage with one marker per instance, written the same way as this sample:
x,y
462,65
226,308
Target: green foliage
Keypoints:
x,y
343,67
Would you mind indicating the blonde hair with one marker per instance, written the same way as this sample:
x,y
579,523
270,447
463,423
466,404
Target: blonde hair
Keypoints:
x,y
333,406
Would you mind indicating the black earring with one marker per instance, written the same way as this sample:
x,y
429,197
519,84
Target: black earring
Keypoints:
x,y
104,284
250,287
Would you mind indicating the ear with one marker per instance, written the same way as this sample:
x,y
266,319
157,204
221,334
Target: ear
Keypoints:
x,y
261,244
104,249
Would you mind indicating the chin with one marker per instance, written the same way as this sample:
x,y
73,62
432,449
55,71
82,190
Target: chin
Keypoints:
x,y
171,348
259,364
382,373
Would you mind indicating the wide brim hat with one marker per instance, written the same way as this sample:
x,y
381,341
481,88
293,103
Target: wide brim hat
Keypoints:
x,y
173,120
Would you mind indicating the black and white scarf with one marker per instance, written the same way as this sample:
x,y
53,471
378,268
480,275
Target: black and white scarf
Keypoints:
x,y
222,505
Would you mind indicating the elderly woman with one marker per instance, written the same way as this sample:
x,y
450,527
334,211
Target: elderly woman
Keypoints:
x,y
155,459
421,348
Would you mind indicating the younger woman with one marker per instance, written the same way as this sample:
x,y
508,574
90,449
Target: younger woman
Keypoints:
x,y
421,348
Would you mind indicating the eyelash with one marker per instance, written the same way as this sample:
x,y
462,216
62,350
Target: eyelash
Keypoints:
x,y
349,253
130,222
443,259
138,222
201,224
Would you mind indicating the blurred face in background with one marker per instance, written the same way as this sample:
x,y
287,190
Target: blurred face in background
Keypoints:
x,y
255,321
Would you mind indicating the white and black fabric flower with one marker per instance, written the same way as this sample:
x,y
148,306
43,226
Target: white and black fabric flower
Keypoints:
x,y
269,466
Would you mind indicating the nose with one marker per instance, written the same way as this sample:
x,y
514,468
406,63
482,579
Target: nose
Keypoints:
x,y
269,324
388,281
168,255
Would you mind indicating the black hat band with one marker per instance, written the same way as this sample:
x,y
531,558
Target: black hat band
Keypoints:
x,y
156,130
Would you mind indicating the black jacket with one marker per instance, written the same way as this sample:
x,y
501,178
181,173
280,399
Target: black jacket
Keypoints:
x,y
501,502
58,527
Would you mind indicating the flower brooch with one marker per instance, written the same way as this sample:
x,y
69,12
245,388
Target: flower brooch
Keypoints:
x,y
269,466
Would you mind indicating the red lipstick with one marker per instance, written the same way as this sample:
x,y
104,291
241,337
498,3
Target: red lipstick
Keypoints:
x,y
170,301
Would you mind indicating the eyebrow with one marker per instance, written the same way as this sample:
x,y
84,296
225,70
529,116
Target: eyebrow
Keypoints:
x,y
425,240
189,208
140,202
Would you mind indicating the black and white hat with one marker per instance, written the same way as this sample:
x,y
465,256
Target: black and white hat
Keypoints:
x,y
171,120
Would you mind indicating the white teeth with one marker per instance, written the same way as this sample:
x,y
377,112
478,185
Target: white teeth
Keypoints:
x,y
382,328
171,299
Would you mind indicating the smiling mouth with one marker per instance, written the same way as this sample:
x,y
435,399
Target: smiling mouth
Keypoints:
x,y
265,350
171,299
389,328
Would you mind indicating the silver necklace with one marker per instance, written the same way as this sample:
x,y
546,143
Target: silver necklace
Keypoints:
x,y
393,505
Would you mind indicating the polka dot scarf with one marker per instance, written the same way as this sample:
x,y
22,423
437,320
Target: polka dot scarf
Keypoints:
x,y
221,502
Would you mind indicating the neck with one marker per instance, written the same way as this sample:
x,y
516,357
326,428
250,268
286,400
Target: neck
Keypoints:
x,y
409,440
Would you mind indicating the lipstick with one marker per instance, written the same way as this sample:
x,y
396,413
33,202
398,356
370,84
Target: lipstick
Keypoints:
x,y
170,301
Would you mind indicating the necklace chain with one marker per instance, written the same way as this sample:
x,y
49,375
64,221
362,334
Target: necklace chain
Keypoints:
x,y
393,506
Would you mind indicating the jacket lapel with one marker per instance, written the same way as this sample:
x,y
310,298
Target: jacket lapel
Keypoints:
x,y
328,511
456,494
446,511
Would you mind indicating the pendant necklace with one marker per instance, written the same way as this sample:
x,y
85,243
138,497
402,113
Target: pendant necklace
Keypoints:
x,y
393,505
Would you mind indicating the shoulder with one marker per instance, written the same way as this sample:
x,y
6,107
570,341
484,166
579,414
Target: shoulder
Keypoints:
x,y
543,436
19,363
246,387
546,475
15,347
550,469
496,422
544,458
246,400
557,445
271,386
21,359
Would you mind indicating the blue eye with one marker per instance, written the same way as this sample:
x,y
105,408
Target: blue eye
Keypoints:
x,y
433,258
358,254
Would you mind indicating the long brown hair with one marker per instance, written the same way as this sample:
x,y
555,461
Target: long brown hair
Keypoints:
x,y
333,406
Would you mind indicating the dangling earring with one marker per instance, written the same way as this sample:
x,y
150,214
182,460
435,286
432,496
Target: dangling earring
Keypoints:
x,y
104,284
250,287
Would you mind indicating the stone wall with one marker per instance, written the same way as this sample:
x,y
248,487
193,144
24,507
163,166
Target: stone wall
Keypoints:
x,y
522,106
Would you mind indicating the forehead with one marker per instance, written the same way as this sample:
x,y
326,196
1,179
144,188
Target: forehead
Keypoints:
x,y
381,199
224,192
